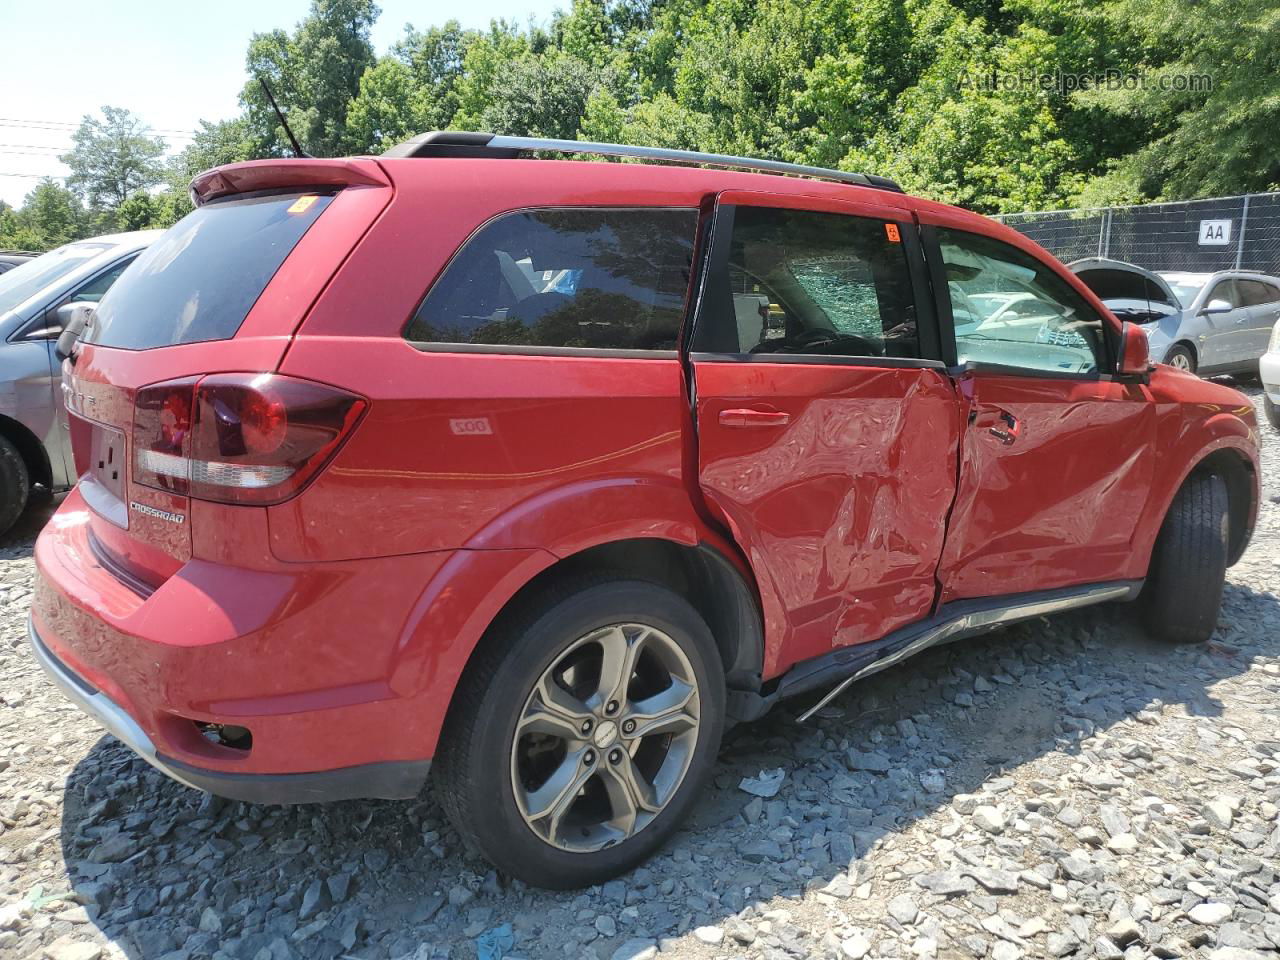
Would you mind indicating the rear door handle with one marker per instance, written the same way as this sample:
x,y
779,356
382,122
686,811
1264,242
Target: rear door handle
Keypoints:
x,y
1007,429
747,417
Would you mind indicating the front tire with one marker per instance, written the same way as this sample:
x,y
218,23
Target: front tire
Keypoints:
x,y
1181,358
582,732
15,485
1183,593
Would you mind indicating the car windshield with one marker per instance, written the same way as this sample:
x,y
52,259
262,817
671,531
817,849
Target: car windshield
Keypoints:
x,y
1186,291
26,280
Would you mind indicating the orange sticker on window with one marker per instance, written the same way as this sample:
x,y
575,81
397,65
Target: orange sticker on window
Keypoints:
x,y
891,231
301,205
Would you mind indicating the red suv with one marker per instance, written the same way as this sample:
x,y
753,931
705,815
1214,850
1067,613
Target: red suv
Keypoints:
x,y
534,474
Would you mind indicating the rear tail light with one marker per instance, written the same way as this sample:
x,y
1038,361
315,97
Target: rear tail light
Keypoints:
x,y
238,437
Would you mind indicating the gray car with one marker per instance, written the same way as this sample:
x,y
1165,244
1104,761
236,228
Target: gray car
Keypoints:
x,y
35,300
1207,323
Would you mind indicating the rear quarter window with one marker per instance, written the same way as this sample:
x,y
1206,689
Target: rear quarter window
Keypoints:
x,y
199,281
565,278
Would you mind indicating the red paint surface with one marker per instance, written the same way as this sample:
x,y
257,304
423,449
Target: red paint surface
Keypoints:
x,y
335,625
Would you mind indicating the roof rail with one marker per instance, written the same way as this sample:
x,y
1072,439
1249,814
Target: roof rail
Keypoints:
x,y
450,143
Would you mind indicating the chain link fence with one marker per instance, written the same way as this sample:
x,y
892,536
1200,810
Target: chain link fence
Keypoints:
x,y
1223,233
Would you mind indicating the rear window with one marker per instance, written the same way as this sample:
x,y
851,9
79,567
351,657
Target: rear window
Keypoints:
x,y
200,280
579,277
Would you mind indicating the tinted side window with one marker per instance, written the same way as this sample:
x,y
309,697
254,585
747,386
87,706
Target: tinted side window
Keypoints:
x,y
1255,293
574,277
1012,310
807,283
1225,290
92,291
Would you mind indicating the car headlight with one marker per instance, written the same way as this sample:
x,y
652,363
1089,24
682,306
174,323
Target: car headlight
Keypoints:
x,y
1275,340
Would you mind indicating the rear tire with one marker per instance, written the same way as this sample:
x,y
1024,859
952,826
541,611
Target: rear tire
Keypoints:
x,y
15,485
1273,413
1183,593
533,766
1181,358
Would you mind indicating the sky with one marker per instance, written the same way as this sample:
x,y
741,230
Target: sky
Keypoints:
x,y
172,63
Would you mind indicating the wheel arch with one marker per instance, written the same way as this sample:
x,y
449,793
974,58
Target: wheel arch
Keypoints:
x,y
1236,464
475,590
702,574
1239,473
29,447
1191,347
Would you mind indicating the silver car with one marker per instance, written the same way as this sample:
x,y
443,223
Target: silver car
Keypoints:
x,y
1207,323
35,300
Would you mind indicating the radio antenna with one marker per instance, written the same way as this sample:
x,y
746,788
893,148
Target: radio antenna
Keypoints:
x,y
297,150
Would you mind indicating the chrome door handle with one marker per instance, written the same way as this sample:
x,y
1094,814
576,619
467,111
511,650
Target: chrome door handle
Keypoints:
x,y
1009,429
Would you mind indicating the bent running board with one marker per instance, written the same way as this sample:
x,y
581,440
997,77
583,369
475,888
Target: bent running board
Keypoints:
x,y
955,621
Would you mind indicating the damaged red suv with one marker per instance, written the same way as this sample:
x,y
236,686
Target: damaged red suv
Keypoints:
x,y
533,474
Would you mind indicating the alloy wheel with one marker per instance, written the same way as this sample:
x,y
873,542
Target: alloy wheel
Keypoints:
x,y
1180,361
605,738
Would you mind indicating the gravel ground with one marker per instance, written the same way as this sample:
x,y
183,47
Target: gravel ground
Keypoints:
x,y
1065,788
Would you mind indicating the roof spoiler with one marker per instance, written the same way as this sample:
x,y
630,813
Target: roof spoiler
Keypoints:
x,y
451,143
284,173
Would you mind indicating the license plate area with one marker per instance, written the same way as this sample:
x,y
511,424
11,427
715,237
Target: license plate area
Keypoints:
x,y
107,459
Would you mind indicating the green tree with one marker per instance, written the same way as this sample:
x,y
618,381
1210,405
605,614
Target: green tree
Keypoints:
x,y
541,96
112,157
314,74
1198,142
50,216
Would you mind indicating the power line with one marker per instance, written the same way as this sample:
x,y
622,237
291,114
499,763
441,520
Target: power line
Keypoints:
x,y
60,126
36,176
39,146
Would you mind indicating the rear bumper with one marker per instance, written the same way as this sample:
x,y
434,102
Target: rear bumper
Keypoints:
x,y
327,666
391,781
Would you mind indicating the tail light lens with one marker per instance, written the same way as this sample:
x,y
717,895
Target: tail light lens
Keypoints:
x,y
238,437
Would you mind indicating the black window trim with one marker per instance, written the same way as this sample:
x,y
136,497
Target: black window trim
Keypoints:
x,y
534,350
946,322
928,336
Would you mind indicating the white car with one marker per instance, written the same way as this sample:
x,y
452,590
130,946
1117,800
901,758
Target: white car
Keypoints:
x,y
1269,371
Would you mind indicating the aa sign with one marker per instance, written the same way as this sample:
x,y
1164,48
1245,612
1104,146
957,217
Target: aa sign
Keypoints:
x,y
1215,233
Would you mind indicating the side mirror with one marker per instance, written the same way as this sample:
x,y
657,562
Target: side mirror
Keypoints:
x,y
1217,306
1135,352
75,318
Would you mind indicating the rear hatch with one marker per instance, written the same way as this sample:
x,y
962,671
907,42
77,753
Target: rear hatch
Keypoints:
x,y
178,360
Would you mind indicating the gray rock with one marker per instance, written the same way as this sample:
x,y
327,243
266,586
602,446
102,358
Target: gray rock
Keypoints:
x,y
1219,813
65,948
903,909
1077,868
995,881
210,921
1208,914
315,899
1061,944
637,948
873,762
1124,931
946,883
855,947
989,818
740,931
711,935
